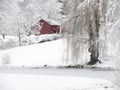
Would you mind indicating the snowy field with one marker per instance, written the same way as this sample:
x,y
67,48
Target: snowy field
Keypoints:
x,y
49,54
56,79
90,25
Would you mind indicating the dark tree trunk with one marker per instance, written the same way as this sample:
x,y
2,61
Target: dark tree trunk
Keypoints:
x,y
94,35
19,37
3,35
94,45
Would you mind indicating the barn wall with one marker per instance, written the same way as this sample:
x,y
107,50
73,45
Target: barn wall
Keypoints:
x,y
46,28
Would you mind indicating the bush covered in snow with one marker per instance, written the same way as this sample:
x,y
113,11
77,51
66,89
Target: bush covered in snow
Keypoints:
x,y
12,41
5,59
8,43
33,39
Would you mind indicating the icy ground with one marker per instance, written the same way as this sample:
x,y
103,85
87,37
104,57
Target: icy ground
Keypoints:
x,y
56,79
105,74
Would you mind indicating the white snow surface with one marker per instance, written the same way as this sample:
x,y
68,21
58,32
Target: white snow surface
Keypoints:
x,y
51,22
13,41
49,53
45,82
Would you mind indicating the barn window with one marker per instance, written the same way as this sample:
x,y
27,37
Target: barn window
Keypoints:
x,y
54,31
41,24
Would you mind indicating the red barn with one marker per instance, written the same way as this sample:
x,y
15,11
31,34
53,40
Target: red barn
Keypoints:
x,y
49,26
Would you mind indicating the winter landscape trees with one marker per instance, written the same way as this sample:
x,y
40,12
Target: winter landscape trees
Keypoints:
x,y
18,16
91,25
91,30
98,22
91,20
85,22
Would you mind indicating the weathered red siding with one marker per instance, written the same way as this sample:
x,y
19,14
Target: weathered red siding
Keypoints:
x,y
48,29
45,27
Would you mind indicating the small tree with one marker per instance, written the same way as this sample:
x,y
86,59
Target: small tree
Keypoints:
x,y
21,26
5,59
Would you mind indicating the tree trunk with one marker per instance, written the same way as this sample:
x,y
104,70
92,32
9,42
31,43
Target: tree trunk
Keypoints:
x,y
94,45
94,25
3,35
19,37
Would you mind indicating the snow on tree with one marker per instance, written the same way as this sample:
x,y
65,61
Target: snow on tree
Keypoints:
x,y
113,35
6,16
82,23
37,9
18,16
96,21
20,26
77,33
32,10
93,30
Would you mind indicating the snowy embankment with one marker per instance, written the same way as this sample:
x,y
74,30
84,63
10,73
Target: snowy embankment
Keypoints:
x,y
39,54
40,82
49,53
13,41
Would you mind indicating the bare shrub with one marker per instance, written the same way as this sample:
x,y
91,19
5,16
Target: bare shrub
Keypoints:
x,y
5,59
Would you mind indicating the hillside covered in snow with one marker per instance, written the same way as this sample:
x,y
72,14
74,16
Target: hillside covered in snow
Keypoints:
x,y
90,27
87,47
95,39
49,53
43,54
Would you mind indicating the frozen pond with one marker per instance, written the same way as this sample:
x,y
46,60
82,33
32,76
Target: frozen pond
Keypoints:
x,y
91,73
55,79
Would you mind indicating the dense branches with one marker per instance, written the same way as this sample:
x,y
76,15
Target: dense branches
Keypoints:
x,y
82,22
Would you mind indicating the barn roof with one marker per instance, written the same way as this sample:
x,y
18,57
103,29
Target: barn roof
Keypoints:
x,y
51,22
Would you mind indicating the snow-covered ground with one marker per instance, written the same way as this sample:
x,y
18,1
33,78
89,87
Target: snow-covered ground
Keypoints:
x,y
51,82
56,79
49,53
97,73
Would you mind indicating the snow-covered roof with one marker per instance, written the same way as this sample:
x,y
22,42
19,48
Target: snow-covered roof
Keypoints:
x,y
51,22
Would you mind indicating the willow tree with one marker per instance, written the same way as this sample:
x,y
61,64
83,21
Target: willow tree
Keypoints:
x,y
82,24
94,25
